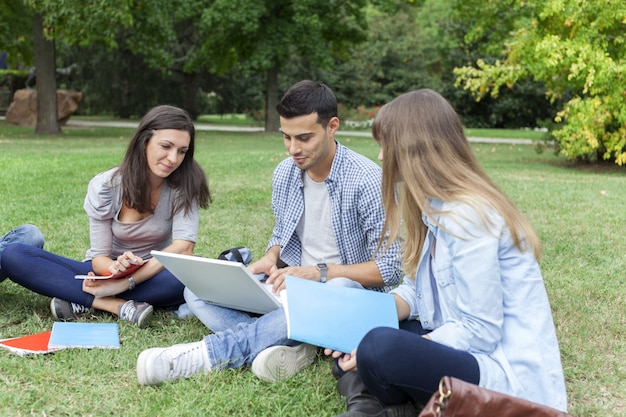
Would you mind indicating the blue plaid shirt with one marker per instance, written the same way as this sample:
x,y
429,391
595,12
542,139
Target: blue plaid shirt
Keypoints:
x,y
357,213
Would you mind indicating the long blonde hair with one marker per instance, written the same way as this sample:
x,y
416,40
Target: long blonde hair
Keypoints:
x,y
426,155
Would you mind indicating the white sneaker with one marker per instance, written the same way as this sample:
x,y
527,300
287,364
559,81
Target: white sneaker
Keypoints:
x,y
158,365
281,362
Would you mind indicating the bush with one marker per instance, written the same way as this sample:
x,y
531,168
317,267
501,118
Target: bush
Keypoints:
x,y
360,118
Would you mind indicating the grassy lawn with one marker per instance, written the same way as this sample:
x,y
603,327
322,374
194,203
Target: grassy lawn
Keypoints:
x,y
228,119
504,133
243,120
577,211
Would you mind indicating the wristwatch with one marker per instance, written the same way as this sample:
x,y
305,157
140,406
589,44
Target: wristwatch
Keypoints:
x,y
131,283
323,268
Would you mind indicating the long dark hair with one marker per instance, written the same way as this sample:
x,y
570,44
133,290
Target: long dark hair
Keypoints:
x,y
189,178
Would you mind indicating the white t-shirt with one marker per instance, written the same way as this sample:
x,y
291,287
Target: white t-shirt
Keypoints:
x,y
315,230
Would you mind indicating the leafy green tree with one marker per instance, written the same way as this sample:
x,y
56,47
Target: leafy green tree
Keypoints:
x,y
51,21
388,64
458,36
573,47
187,39
68,20
16,33
160,58
418,45
166,34
265,35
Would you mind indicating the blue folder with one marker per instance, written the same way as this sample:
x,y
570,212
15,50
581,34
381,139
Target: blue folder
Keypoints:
x,y
84,335
334,317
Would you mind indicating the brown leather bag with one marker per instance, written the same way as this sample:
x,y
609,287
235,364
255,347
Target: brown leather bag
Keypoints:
x,y
457,398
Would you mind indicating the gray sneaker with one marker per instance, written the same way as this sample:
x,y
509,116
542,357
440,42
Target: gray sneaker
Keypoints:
x,y
138,313
65,310
277,363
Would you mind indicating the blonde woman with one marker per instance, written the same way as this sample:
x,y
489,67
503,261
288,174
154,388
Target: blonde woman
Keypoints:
x,y
473,303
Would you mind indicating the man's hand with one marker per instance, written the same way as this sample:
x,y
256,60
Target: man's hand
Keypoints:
x,y
305,272
263,266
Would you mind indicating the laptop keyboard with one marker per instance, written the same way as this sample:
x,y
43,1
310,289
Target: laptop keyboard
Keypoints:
x,y
269,289
262,279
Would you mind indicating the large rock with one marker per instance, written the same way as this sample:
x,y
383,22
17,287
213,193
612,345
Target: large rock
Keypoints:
x,y
23,108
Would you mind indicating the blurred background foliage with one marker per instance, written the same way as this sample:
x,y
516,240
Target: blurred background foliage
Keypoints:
x,y
501,63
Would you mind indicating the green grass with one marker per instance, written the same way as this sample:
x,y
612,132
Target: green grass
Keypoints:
x,y
231,119
228,119
242,120
578,212
504,133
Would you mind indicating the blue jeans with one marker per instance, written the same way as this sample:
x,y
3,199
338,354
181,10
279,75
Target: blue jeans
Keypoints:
x,y
26,234
239,345
238,336
399,365
218,319
53,275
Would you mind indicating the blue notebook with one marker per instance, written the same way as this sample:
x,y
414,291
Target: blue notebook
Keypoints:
x,y
84,335
334,317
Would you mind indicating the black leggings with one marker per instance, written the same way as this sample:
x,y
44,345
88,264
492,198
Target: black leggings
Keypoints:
x,y
401,365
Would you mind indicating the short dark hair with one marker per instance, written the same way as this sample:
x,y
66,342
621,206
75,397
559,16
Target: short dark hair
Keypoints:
x,y
306,97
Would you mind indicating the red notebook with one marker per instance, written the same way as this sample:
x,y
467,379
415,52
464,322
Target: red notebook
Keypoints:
x,y
31,344
132,268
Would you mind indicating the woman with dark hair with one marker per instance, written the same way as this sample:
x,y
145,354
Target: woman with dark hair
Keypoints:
x,y
149,202
473,304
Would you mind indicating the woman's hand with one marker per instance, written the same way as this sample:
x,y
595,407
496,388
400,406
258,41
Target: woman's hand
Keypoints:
x,y
124,261
100,288
346,361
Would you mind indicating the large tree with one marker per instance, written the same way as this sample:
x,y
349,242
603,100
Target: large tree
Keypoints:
x,y
166,35
45,58
389,63
266,34
573,47
74,22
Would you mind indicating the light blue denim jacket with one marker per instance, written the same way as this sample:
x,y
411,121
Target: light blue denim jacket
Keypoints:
x,y
477,292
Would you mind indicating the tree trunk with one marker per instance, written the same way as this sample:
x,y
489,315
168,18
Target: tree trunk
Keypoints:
x,y
272,123
45,64
192,85
124,108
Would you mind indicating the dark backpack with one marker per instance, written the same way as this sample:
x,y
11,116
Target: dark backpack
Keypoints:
x,y
239,254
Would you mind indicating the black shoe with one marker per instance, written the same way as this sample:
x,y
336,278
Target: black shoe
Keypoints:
x,y
336,372
361,403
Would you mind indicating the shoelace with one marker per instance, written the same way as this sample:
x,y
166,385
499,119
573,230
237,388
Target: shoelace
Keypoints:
x,y
127,310
186,362
79,308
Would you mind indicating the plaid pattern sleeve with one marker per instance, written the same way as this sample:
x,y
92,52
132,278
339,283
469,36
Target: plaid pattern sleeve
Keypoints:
x,y
357,213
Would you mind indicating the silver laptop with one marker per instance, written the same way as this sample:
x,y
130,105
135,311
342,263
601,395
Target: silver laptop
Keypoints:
x,y
223,283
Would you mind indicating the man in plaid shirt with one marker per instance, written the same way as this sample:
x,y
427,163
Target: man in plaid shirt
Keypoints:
x,y
329,218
